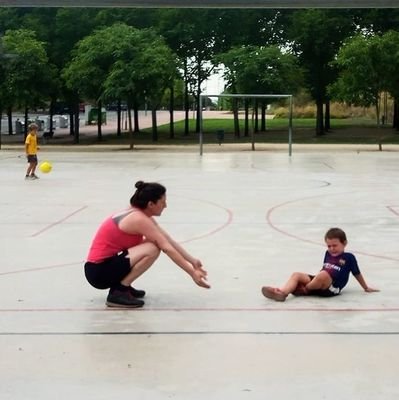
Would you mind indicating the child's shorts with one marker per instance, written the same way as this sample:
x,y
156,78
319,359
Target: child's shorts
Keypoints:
x,y
32,158
109,272
330,292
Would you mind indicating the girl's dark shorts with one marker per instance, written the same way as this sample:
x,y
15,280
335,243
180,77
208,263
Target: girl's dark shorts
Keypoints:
x,y
108,273
32,158
322,292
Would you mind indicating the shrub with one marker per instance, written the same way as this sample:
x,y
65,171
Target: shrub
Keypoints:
x,y
337,111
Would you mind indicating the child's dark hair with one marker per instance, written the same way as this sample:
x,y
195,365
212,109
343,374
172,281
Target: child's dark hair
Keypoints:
x,y
336,233
146,192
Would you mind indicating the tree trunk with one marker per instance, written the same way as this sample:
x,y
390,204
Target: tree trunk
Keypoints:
x,y
246,122
186,112
327,125
71,124
263,117
76,124
26,122
395,121
256,128
197,123
377,111
236,120
136,117
384,117
171,108
51,126
99,120
319,118
9,117
119,119
186,103
129,118
154,124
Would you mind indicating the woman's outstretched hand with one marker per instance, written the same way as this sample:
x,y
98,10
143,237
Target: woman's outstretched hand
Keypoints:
x,y
199,276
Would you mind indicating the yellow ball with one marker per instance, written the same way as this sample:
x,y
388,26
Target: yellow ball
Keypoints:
x,y
45,167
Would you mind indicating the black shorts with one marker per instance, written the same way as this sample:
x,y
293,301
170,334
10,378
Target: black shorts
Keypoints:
x,y
330,292
108,273
32,158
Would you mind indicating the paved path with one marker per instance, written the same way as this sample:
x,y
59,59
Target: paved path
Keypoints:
x,y
145,120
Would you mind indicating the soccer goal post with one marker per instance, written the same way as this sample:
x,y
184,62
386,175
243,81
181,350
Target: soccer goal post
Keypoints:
x,y
247,96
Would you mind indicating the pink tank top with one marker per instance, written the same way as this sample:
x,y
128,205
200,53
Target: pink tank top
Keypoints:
x,y
110,240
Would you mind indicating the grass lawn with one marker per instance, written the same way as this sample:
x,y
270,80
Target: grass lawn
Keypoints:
x,y
345,131
342,131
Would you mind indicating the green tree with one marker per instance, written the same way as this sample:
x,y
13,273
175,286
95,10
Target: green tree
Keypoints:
x,y
316,36
376,20
26,72
362,63
60,29
192,35
156,68
260,70
390,49
139,18
369,65
9,19
92,60
249,27
144,69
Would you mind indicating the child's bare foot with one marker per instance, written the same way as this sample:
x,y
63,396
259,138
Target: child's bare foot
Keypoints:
x,y
273,293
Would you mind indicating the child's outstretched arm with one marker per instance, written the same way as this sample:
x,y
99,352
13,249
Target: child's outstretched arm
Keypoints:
x,y
363,284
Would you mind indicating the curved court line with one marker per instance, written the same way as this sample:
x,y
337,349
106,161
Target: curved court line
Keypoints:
x,y
46,228
219,228
224,225
286,233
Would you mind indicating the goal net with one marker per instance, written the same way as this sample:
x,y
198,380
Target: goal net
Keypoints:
x,y
251,104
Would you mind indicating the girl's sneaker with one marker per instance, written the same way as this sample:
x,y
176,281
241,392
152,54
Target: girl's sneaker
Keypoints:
x,y
138,294
122,299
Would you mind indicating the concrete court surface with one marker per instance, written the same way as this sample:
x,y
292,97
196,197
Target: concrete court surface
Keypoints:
x,y
252,218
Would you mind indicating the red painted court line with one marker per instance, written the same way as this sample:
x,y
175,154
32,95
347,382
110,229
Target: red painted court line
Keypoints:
x,y
219,228
193,309
58,222
393,210
210,233
20,271
328,165
286,233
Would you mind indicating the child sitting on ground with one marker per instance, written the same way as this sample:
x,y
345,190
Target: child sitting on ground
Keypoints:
x,y
332,278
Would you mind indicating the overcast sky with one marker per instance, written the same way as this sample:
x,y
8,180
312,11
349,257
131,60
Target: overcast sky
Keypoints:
x,y
214,85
